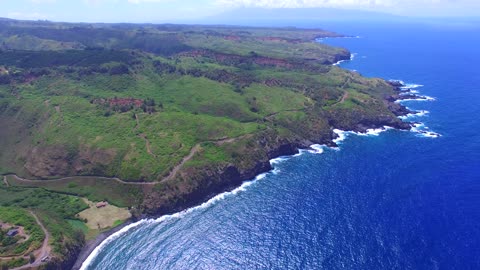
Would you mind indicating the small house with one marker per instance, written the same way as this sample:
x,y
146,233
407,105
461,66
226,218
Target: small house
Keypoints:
x,y
12,233
102,204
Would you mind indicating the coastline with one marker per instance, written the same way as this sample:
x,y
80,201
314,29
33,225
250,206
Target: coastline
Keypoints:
x,y
97,244
282,153
261,169
91,245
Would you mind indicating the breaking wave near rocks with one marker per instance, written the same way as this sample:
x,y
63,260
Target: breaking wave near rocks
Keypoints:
x,y
419,128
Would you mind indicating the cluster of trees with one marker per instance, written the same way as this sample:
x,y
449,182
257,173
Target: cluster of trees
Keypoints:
x,y
5,240
72,58
162,67
148,105
111,69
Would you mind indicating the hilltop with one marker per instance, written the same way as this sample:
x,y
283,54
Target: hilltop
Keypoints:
x,y
156,118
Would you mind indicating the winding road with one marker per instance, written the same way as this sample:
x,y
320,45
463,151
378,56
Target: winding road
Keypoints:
x,y
18,178
177,168
41,253
170,176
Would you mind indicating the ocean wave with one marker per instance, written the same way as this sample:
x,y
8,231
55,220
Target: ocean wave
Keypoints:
x,y
411,86
340,62
352,56
420,98
397,81
317,149
300,152
278,160
410,92
429,134
342,135
414,114
374,132
107,241
419,128
423,131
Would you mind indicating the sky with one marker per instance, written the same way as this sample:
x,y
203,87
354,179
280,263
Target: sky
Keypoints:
x,y
182,10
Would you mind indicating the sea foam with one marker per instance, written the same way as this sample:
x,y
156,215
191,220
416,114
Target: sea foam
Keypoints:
x,y
317,149
419,128
410,86
414,114
420,98
423,131
342,134
352,56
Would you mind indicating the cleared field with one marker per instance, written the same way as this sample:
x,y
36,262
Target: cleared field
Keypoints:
x,y
104,217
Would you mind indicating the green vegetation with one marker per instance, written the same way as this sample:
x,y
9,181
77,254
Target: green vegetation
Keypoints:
x,y
19,244
34,198
95,189
173,111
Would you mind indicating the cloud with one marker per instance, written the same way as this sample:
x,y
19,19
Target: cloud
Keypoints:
x,y
43,1
339,3
303,3
150,1
27,16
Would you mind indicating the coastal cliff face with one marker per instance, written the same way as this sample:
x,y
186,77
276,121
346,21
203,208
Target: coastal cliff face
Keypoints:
x,y
210,181
173,114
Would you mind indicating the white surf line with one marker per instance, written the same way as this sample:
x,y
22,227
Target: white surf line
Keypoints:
x,y
414,114
352,57
185,212
423,131
419,128
313,149
421,98
342,134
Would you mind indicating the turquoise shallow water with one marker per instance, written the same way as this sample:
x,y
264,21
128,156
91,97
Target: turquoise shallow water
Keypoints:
x,y
398,200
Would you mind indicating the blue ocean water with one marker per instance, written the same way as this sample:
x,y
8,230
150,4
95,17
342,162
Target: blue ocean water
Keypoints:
x,y
393,201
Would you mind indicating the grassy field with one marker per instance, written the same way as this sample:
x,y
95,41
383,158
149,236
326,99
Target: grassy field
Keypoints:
x,y
105,217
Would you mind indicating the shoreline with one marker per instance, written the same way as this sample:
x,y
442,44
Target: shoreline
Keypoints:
x,y
97,244
91,245
282,152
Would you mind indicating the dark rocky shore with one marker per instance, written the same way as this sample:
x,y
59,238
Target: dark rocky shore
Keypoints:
x,y
92,244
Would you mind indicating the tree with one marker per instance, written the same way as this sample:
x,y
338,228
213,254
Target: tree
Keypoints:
x,y
31,258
